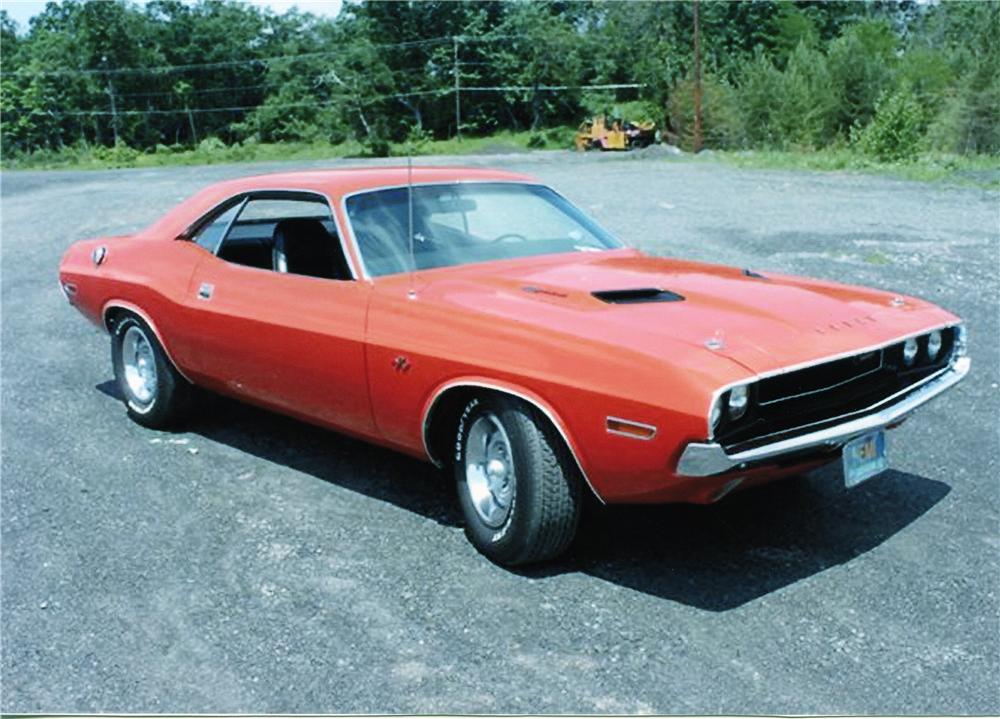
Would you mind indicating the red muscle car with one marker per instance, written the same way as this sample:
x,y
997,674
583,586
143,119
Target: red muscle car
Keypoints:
x,y
478,320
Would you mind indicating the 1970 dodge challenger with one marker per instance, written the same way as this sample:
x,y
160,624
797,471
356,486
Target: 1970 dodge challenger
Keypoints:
x,y
477,319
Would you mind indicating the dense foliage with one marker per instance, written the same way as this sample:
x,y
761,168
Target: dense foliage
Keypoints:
x,y
888,78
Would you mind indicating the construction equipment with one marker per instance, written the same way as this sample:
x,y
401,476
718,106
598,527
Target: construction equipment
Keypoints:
x,y
598,135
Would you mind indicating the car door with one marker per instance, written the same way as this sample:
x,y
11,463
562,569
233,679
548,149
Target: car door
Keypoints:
x,y
291,342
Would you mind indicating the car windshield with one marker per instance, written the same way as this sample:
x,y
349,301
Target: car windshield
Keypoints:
x,y
461,223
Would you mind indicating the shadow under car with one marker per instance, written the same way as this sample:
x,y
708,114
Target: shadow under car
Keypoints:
x,y
716,557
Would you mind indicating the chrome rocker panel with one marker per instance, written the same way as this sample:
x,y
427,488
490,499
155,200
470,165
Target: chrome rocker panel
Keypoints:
x,y
706,459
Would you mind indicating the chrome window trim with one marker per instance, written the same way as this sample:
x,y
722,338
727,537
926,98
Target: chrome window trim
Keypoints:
x,y
812,363
229,226
248,195
441,183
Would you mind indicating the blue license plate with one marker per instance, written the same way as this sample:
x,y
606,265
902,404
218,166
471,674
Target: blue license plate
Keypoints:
x,y
864,457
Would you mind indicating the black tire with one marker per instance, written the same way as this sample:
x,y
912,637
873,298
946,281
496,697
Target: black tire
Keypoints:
x,y
171,395
544,509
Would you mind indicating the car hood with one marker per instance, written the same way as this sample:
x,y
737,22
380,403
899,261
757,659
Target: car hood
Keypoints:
x,y
761,321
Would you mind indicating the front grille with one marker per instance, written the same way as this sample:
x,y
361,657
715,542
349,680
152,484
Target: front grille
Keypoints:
x,y
821,395
819,378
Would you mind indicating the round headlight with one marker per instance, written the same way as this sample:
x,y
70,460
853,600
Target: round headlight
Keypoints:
x,y
910,349
737,401
933,345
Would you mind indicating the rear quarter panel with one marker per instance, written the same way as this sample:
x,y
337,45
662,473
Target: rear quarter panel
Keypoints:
x,y
150,275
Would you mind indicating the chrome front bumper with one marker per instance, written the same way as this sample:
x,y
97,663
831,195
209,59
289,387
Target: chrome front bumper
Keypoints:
x,y
705,459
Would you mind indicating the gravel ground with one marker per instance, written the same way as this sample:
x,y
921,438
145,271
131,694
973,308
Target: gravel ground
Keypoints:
x,y
255,564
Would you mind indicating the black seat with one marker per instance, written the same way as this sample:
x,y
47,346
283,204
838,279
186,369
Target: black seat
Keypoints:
x,y
304,247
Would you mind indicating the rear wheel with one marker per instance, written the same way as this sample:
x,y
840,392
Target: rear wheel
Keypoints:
x,y
154,392
518,486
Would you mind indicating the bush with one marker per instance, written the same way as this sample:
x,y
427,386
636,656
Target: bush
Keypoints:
x,y
162,149
789,108
119,155
966,121
536,141
720,117
416,141
376,146
894,134
560,137
862,64
211,145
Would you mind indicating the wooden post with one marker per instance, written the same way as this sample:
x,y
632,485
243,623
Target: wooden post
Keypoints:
x,y
114,109
458,91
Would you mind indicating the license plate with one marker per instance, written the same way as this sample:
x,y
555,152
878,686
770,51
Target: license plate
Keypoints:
x,y
864,457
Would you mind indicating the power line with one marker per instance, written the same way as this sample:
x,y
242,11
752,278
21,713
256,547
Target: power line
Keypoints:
x,y
165,69
324,103
234,108
209,91
314,82
517,88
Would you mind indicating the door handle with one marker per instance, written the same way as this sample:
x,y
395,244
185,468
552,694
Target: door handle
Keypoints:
x,y
205,291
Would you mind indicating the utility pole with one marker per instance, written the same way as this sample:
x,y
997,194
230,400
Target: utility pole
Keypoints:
x,y
111,96
114,110
696,140
458,90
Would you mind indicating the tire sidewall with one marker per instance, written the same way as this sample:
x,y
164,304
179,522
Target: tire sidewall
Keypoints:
x,y
154,412
507,540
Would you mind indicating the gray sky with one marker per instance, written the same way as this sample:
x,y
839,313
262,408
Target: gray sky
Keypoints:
x,y
23,10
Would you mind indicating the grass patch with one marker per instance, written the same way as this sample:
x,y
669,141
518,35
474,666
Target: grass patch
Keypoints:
x,y
978,170
877,258
212,151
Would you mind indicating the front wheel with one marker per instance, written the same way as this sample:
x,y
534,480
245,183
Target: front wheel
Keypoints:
x,y
518,486
154,392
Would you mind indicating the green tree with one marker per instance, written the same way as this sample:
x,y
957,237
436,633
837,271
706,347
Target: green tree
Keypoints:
x,y
862,65
895,131
539,49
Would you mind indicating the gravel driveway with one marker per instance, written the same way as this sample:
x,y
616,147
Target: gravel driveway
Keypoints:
x,y
256,564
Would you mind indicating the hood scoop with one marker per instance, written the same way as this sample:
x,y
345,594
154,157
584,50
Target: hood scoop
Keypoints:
x,y
636,296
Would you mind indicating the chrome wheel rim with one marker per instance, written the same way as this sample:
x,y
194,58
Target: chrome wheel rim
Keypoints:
x,y
489,470
139,366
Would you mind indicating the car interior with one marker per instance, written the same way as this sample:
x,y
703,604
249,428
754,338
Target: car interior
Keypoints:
x,y
303,245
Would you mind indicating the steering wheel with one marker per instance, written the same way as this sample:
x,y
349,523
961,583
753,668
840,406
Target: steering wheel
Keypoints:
x,y
509,236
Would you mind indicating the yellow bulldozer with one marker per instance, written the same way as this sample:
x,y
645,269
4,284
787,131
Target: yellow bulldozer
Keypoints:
x,y
597,134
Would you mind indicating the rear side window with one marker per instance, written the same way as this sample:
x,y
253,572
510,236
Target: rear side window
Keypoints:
x,y
250,239
286,232
274,210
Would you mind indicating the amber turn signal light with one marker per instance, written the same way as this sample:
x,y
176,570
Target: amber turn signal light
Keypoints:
x,y
627,428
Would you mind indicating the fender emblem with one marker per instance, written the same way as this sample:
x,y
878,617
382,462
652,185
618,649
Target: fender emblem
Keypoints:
x,y
401,364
